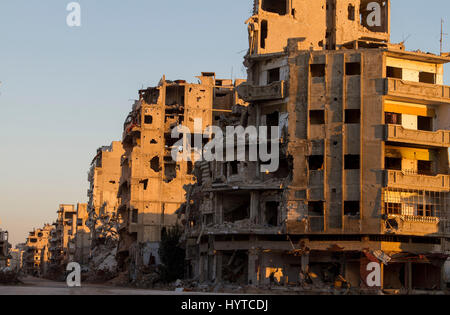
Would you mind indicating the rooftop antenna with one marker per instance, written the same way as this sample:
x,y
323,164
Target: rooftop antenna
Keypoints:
x,y
442,36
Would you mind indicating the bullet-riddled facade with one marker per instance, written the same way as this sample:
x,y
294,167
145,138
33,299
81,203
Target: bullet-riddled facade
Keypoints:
x,y
151,186
65,228
364,168
104,177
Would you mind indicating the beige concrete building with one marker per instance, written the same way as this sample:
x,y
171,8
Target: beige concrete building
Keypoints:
x,y
104,177
16,261
82,237
65,226
151,185
35,257
364,166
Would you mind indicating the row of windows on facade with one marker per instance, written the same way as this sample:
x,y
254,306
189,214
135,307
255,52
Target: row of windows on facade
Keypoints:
x,y
354,68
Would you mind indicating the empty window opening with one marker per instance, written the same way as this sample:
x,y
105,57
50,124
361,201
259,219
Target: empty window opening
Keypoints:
x,y
272,213
148,119
351,12
284,168
234,167
33,240
154,164
315,162
169,141
316,208
275,6
170,171
425,167
393,208
396,73
393,118
352,116
352,162
273,75
317,117
236,207
134,216
68,215
352,208
317,70
175,95
393,164
353,68
190,168
145,183
264,33
427,77
272,120
425,123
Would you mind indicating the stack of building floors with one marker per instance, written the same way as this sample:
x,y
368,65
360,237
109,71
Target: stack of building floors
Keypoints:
x,y
361,195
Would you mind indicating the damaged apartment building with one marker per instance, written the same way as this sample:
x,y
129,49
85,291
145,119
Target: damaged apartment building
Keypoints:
x,y
60,239
363,172
4,248
103,224
151,184
36,255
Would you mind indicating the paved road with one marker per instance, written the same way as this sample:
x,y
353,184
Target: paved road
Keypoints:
x,y
35,286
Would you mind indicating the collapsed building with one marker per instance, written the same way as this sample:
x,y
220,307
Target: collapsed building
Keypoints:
x,y
151,183
104,177
4,249
61,235
36,254
363,176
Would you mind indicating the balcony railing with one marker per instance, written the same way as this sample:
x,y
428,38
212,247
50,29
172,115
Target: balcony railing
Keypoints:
x,y
400,179
397,133
251,93
419,91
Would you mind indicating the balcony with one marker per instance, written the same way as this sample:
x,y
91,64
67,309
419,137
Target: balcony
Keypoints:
x,y
420,92
396,133
252,93
398,179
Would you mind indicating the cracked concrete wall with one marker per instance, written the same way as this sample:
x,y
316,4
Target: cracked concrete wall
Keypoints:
x,y
318,24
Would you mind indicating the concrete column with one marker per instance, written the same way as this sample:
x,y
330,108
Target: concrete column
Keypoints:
x,y
254,207
219,263
305,263
408,277
252,267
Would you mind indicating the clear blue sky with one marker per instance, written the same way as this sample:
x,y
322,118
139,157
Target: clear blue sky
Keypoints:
x,y
67,91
